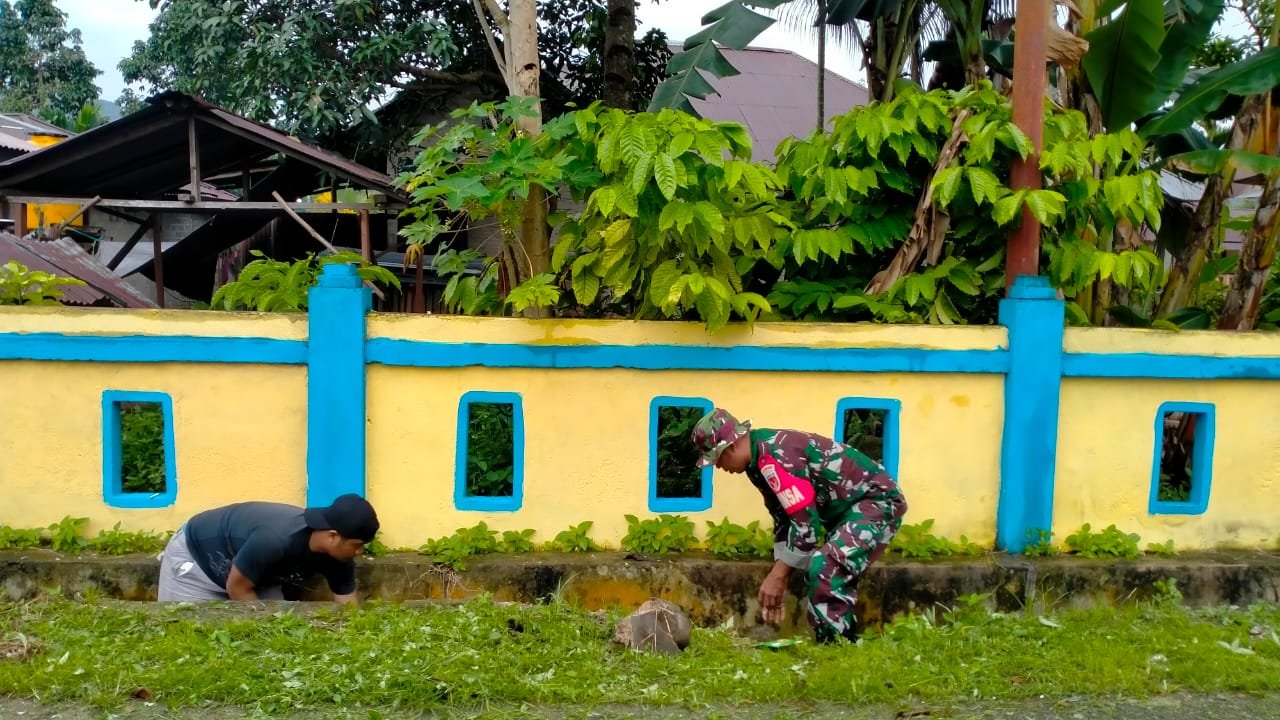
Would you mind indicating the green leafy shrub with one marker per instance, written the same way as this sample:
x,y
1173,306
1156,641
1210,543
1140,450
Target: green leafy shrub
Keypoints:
x,y
734,542
17,539
124,542
517,541
1039,544
574,539
65,535
20,285
490,449
663,534
142,461
678,471
1164,549
268,285
453,549
915,541
1110,543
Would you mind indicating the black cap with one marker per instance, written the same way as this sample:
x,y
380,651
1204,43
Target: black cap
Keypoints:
x,y
351,515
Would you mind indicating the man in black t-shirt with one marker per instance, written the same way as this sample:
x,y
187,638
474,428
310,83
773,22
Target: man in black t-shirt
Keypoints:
x,y
249,550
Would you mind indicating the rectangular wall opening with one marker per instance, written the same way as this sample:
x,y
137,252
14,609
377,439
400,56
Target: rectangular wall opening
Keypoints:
x,y
1183,459
870,426
676,483
138,461
490,452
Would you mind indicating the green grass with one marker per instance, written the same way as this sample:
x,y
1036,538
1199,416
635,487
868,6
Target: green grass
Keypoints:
x,y
430,657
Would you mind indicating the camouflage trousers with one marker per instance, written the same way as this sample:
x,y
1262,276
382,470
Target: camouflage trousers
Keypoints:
x,y
852,545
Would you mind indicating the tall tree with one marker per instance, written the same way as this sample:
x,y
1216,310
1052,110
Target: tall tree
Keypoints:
x,y
619,54
43,68
317,67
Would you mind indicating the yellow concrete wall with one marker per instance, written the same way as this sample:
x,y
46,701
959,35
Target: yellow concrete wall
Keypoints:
x,y
240,430
586,430
1106,443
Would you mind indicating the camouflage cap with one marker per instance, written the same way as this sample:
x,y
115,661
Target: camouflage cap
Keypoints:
x,y
716,431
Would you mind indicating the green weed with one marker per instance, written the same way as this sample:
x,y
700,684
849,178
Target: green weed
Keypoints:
x,y
574,539
663,534
1039,544
915,541
517,541
124,542
452,550
1164,549
734,542
1109,543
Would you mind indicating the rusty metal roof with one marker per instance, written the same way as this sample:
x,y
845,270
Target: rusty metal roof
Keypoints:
x,y
775,96
143,156
66,258
13,142
24,126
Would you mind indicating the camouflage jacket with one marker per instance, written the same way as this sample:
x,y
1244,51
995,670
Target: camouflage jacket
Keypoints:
x,y
810,484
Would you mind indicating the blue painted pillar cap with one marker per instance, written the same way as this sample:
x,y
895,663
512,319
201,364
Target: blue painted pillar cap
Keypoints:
x,y
339,275
1032,287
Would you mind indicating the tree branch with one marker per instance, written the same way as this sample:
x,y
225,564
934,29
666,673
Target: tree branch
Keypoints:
x,y
502,20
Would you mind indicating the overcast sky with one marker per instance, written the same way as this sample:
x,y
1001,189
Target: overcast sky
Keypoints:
x,y
110,28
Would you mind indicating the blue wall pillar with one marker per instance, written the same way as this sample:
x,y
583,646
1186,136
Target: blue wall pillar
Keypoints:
x,y
336,385
1033,315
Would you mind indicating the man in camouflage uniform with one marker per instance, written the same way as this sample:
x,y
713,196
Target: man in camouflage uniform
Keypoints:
x,y
834,512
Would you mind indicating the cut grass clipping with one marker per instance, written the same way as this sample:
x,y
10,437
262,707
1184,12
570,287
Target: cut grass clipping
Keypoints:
x,y
418,658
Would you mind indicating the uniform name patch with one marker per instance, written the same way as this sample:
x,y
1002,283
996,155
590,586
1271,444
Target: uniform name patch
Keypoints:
x,y
793,493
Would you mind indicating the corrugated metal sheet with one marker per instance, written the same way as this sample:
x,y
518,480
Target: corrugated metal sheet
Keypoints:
x,y
12,142
64,257
775,96
25,126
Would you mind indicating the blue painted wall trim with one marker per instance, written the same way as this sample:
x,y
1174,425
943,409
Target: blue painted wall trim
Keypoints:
x,y
336,385
1201,461
410,353
892,413
1029,446
151,349
1174,367
112,481
508,503
675,504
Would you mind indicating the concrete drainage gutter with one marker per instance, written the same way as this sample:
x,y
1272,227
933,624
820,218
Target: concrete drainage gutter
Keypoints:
x,y
714,591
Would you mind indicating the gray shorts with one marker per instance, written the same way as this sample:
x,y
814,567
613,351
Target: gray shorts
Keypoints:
x,y
182,580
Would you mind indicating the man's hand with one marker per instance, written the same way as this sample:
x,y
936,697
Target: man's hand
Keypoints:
x,y
240,587
772,590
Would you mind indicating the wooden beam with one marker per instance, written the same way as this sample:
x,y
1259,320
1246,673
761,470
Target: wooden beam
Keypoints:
x,y
19,217
366,243
129,244
193,156
210,205
158,250
57,227
319,238
1029,57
